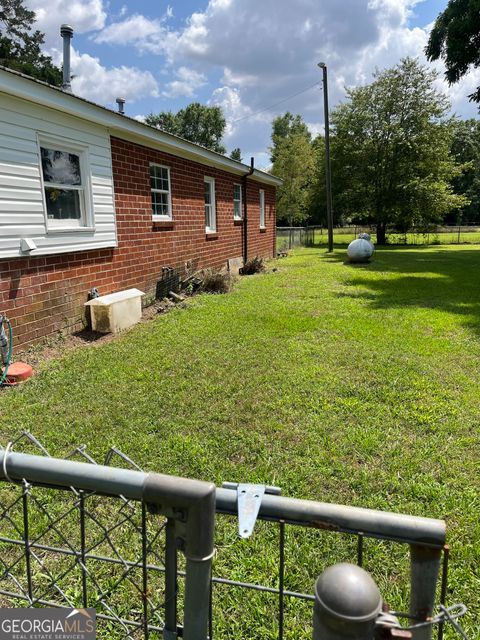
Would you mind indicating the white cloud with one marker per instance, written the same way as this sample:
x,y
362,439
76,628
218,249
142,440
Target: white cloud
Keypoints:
x,y
264,51
146,35
186,83
269,50
229,100
83,15
93,81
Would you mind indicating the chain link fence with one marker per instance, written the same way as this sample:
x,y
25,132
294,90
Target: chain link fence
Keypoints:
x,y
310,236
135,547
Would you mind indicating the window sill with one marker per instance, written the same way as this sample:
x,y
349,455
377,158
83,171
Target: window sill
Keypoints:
x,y
263,229
54,230
238,221
211,235
163,224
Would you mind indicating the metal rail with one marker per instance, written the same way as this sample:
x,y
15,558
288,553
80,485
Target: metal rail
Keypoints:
x,y
190,502
189,507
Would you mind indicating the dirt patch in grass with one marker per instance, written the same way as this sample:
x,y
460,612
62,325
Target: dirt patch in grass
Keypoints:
x,y
58,345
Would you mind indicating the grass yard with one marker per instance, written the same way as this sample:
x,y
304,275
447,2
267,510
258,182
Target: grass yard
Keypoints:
x,y
350,384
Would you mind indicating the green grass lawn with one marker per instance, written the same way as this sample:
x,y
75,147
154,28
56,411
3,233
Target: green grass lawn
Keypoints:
x,y
341,383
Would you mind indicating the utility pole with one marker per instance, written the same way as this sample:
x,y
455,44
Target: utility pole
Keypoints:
x,y
328,173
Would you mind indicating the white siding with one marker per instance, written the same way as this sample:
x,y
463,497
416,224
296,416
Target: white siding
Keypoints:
x,y
22,212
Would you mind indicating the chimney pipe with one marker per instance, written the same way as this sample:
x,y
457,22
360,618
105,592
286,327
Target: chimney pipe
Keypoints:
x,y
66,31
120,102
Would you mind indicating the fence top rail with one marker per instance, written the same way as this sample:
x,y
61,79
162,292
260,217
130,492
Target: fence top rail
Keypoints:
x,y
335,517
173,491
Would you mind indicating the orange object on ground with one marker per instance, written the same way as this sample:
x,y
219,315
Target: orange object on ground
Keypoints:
x,y
18,372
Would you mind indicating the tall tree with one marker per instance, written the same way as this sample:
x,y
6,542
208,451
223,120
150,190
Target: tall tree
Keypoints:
x,y
392,141
465,150
295,164
197,123
285,126
455,38
20,46
317,192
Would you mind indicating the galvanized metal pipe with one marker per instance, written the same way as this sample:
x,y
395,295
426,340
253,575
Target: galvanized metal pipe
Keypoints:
x,y
66,32
198,499
334,517
195,498
425,566
67,473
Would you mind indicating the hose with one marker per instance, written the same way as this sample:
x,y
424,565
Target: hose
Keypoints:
x,y
10,346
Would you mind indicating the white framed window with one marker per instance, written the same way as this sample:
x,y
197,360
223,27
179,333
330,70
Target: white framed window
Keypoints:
x,y
161,192
65,185
262,209
237,201
210,213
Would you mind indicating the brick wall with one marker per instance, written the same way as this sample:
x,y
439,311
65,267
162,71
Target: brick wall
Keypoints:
x,y
46,294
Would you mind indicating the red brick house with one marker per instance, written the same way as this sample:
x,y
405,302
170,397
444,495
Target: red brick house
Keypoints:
x,y
92,198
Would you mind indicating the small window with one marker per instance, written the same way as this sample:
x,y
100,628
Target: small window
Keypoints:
x,y
262,209
161,194
237,201
64,187
210,215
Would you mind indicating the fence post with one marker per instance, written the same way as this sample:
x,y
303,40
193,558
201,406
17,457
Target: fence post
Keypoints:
x,y
347,604
425,565
198,500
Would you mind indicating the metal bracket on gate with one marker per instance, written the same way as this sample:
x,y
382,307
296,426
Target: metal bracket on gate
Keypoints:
x,y
249,499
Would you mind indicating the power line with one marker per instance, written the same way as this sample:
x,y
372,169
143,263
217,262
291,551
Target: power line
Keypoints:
x,y
250,115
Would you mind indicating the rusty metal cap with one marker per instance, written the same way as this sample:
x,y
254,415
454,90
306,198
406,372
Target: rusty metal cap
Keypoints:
x,y
347,593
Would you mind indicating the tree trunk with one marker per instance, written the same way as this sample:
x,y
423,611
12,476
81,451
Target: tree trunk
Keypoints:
x,y
381,233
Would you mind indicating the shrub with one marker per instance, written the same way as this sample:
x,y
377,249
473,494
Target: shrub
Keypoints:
x,y
215,282
254,265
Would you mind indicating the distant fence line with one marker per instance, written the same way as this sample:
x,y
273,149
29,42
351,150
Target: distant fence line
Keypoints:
x,y
316,235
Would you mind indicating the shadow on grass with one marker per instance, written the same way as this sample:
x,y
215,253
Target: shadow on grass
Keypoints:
x,y
446,280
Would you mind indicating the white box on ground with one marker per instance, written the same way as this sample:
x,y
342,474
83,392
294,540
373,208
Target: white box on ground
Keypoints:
x,y
116,311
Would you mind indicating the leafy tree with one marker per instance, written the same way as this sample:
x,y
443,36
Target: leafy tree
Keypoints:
x,y
236,154
295,164
465,149
317,196
20,46
392,144
317,193
285,126
197,123
455,38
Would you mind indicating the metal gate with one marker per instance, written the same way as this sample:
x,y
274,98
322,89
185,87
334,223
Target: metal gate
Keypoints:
x,y
139,547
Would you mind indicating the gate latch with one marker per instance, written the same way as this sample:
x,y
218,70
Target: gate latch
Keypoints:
x,y
249,499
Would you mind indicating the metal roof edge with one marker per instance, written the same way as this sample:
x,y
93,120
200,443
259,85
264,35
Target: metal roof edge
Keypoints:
x,y
21,86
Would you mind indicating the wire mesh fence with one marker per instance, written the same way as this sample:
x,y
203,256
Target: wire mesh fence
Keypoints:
x,y
80,549
76,547
291,237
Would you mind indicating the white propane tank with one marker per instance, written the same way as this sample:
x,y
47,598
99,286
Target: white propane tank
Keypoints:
x,y
360,250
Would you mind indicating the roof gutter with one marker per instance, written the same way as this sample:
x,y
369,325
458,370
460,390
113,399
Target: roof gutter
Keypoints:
x,y
245,209
119,125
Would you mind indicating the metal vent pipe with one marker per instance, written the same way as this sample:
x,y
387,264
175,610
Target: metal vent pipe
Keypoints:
x,y
66,31
120,102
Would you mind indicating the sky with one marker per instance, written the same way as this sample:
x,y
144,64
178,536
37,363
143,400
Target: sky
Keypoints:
x,y
254,58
